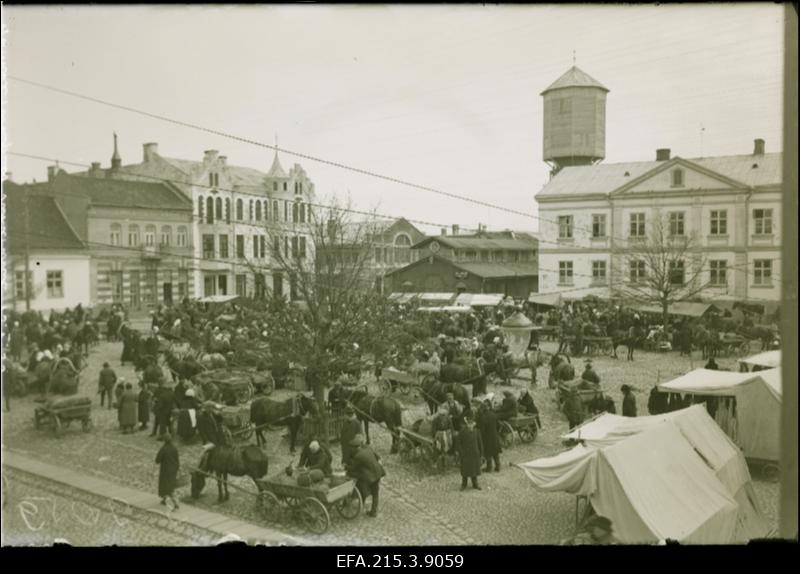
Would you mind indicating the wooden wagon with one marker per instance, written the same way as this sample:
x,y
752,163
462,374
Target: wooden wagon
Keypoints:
x,y
521,428
733,345
59,414
234,387
281,497
237,420
587,395
416,447
394,379
312,426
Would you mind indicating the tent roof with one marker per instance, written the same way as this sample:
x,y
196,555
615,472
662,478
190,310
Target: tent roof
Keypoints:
x,y
708,382
479,299
773,379
551,299
402,297
682,308
675,476
218,299
770,359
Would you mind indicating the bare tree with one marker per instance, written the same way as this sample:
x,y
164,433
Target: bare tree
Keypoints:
x,y
662,267
335,318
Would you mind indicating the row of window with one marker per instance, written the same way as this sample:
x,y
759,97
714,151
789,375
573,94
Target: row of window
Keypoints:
x,y
718,272
211,209
150,231
151,292
498,256
718,220
213,181
297,245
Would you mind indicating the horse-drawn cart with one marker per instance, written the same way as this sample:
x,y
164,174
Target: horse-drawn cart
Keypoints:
x,y
586,392
58,414
393,379
232,387
522,428
312,427
282,497
733,345
417,446
237,421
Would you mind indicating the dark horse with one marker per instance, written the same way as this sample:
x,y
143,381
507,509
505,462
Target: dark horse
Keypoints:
x,y
290,413
630,338
435,393
380,409
182,368
224,460
467,372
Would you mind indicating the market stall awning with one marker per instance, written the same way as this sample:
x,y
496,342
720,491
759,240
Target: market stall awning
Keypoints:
x,y
442,298
479,299
768,359
682,309
402,298
218,299
549,299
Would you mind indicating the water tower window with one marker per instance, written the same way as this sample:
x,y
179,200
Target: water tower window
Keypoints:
x,y
677,178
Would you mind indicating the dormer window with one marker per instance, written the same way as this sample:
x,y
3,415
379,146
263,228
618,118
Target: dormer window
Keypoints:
x,y
677,178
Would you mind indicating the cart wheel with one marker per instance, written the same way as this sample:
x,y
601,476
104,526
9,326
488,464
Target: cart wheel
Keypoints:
x,y
315,516
406,449
506,434
528,434
350,506
744,349
87,424
771,472
245,394
385,387
270,505
57,428
405,388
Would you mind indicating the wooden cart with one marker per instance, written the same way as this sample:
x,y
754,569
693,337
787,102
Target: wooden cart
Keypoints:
x,y
522,428
234,387
282,498
418,448
237,421
59,417
394,379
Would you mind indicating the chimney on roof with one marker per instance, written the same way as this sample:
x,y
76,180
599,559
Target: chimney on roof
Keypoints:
x,y
210,155
444,231
662,154
223,160
116,160
455,229
52,171
95,171
759,147
150,151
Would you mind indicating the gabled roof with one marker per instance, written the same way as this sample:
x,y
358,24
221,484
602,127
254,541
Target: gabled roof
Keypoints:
x,y
483,270
48,228
575,78
605,178
276,171
458,242
238,175
122,192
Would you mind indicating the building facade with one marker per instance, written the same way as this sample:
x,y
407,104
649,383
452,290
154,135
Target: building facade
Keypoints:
x,y
486,262
728,208
58,262
240,215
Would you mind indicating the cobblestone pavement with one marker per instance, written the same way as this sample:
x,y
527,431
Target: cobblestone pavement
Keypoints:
x,y
38,512
417,507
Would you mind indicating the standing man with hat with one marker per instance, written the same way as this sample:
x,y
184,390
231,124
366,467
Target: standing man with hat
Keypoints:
x,y
350,429
589,375
365,467
628,402
108,379
470,448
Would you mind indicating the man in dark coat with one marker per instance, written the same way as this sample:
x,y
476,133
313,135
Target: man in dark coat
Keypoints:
x,y
711,365
169,462
628,402
527,406
350,428
108,379
573,409
165,403
590,375
470,448
366,468
510,408
145,397
337,398
490,438
128,406
657,402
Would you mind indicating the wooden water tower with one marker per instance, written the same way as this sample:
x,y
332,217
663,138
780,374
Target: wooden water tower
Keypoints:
x,y
574,121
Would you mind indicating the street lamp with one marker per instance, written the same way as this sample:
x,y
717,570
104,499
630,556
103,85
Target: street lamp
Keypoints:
x,y
517,330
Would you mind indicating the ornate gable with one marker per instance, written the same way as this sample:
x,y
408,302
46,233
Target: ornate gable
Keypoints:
x,y
679,175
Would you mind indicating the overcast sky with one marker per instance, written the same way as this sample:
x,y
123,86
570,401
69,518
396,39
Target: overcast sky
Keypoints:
x,y
443,96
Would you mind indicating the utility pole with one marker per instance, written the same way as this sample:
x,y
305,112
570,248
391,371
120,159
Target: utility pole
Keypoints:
x,y
26,282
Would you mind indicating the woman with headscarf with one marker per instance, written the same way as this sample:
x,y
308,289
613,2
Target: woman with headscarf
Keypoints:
x,y
145,397
128,407
168,462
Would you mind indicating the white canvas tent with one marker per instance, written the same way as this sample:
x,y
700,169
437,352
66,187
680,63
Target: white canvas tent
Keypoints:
x,y
765,360
758,405
479,299
218,299
546,299
679,477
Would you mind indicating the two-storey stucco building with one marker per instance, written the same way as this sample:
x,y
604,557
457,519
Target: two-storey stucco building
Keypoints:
x,y
592,213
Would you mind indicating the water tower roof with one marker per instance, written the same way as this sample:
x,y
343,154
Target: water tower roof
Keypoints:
x,y
575,78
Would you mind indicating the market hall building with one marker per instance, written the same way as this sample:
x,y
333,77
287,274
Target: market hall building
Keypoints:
x,y
503,262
